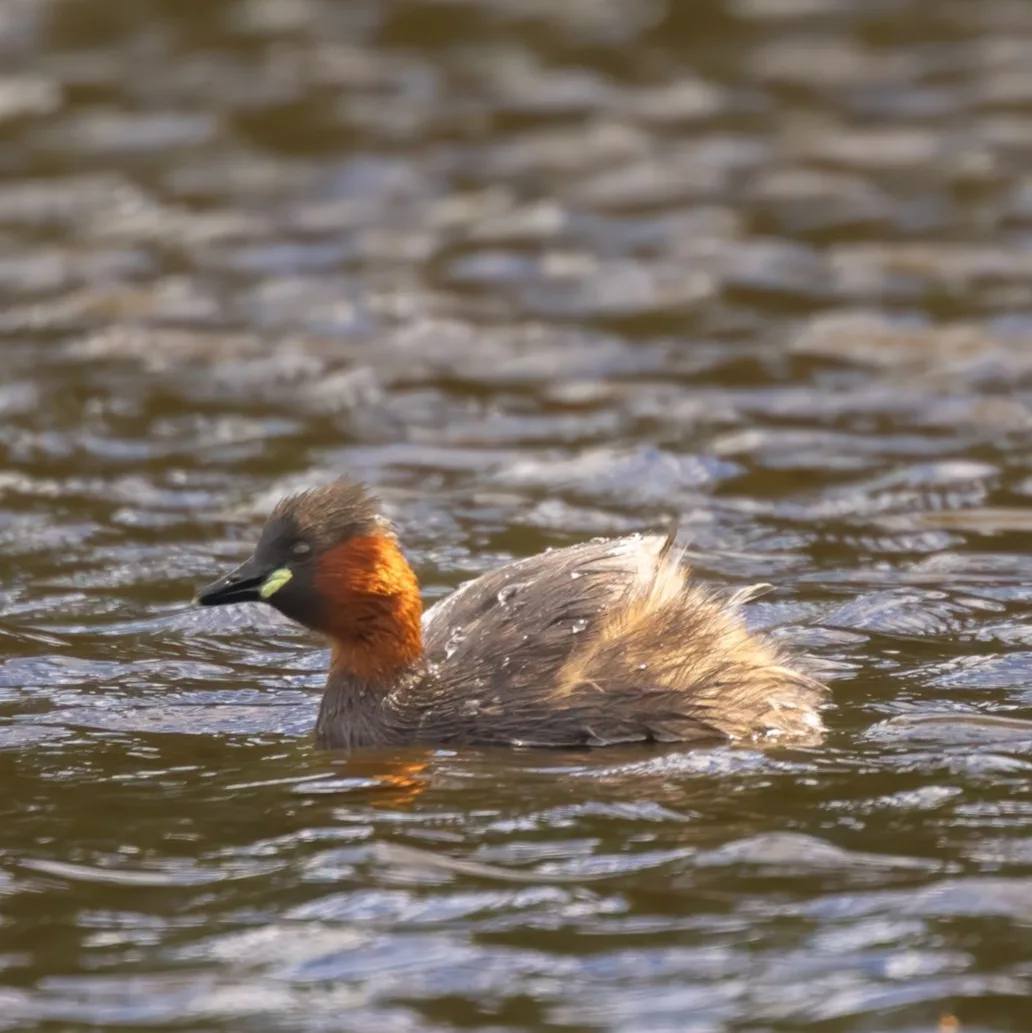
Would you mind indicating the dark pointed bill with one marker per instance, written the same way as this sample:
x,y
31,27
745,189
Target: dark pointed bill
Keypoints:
x,y
243,585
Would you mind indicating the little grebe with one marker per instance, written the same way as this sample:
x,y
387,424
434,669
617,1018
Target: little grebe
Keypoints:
x,y
599,643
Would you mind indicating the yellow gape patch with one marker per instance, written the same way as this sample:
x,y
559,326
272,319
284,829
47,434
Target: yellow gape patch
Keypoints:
x,y
275,581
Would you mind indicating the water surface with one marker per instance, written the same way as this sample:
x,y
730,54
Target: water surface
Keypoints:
x,y
539,272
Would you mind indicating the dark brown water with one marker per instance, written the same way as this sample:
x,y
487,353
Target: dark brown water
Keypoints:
x,y
540,271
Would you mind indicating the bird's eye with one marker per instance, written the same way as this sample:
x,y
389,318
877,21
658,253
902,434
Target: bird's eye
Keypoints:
x,y
300,549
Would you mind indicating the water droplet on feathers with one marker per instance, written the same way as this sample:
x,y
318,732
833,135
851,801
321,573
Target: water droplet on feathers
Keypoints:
x,y
455,639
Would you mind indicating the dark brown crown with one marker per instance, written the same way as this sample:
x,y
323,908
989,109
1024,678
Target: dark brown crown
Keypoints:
x,y
332,513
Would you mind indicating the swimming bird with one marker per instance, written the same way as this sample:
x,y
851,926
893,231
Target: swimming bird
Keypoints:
x,y
604,642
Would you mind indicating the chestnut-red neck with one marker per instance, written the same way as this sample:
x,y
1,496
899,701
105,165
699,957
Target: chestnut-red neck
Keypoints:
x,y
372,609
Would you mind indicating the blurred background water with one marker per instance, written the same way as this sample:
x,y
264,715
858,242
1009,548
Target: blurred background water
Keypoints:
x,y
538,271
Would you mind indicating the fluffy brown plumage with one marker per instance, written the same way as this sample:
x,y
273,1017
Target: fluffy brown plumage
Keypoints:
x,y
600,643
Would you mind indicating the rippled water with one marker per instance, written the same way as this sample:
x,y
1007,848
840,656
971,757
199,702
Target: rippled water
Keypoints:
x,y
538,271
